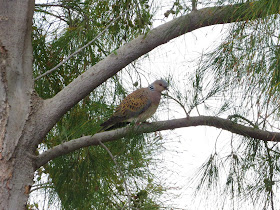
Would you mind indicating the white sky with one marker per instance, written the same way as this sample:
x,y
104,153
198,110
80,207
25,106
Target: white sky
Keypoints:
x,y
191,146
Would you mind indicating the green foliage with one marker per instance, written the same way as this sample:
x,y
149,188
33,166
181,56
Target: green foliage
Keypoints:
x,y
63,27
250,55
88,178
178,8
244,70
247,174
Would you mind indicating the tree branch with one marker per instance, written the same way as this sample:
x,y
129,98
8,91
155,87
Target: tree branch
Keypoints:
x,y
57,106
113,135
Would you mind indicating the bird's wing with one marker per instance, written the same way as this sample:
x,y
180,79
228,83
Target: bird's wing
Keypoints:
x,y
132,106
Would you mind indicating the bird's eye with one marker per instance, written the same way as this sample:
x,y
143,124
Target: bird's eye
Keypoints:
x,y
160,84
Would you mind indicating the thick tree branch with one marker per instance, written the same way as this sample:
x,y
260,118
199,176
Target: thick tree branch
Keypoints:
x,y
57,106
217,122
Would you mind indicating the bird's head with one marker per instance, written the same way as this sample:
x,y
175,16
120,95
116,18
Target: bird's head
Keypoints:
x,y
159,85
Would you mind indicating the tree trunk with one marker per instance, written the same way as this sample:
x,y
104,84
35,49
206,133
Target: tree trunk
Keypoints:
x,y
16,177
16,88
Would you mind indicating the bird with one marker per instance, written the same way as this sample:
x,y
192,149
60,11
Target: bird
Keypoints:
x,y
138,106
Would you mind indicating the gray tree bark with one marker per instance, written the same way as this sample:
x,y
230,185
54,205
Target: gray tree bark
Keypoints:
x,y
16,88
25,119
113,135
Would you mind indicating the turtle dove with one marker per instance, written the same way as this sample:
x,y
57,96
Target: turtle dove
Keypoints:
x,y
137,106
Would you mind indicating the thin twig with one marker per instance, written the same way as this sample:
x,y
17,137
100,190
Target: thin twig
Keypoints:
x,y
51,5
77,51
217,141
40,186
49,13
270,163
180,104
120,171
194,5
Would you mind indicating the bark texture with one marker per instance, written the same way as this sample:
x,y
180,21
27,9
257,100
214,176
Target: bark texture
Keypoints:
x,y
16,86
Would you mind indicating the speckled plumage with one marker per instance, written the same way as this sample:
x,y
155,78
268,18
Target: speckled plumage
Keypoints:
x,y
137,106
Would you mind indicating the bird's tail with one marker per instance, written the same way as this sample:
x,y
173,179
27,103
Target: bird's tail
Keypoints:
x,y
106,125
112,123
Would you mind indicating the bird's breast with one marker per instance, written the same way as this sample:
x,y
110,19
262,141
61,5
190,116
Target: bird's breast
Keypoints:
x,y
147,114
